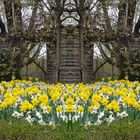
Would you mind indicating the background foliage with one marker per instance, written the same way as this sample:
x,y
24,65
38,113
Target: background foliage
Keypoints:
x,y
130,65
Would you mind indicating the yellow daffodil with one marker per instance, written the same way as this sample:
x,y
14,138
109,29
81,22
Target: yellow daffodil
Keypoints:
x,y
59,109
80,109
69,109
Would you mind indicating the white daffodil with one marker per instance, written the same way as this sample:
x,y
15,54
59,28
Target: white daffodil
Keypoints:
x,y
39,115
52,125
111,112
58,114
110,119
81,114
41,122
29,112
75,117
62,100
98,122
30,119
101,114
17,114
70,117
122,114
64,117
87,124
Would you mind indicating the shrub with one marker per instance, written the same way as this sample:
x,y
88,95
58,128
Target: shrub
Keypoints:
x,y
130,65
7,65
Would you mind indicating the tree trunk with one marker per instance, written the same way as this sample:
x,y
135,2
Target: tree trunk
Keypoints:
x,y
18,16
9,14
18,60
58,44
81,44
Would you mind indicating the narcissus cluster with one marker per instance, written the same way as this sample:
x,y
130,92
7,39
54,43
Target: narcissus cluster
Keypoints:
x,y
38,102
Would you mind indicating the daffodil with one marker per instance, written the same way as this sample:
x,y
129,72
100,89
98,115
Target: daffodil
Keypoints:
x,y
69,108
80,109
70,101
59,109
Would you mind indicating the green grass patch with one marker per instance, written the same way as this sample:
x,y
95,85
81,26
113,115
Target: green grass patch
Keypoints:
x,y
120,130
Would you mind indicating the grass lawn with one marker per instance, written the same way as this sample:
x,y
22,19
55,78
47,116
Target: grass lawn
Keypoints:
x,y
118,130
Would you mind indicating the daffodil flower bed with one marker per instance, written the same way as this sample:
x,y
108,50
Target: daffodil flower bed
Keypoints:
x,y
52,104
